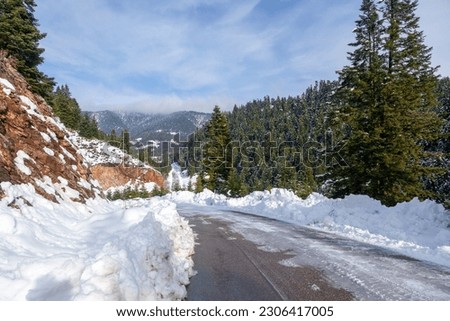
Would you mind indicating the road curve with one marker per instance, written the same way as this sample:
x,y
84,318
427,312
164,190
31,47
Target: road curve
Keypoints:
x,y
244,257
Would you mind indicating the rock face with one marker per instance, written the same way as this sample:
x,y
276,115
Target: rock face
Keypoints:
x,y
114,175
111,167
34,146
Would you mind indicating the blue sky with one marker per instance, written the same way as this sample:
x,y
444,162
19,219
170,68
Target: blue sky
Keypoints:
x,y
164,56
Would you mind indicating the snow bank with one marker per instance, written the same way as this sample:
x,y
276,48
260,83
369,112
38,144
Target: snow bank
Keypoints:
x,y
94,251
418,229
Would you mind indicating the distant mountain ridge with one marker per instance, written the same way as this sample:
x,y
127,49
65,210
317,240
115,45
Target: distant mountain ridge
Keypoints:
x,y
158,127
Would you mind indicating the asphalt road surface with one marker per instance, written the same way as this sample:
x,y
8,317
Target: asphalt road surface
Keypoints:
x,y
245,257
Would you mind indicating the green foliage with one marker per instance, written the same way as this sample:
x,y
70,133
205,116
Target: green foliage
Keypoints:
x,y
282,141
387,97
274,143
88,127
159,191
374,132
126,141
128,193
200,186
66,107
216,157
20,37
439,183
69,112
234,184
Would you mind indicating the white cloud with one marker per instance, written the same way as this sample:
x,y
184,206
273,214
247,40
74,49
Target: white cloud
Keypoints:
x,y
188,52
237,11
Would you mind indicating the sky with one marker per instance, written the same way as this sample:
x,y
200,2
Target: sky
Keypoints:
x,y
164,56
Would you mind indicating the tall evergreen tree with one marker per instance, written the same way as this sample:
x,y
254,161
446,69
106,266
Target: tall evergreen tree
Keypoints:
x,y
126,141
216,156
88,127
440,182
388,95
20,36
361,105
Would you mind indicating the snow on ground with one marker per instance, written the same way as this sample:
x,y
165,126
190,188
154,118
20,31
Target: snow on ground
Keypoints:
x,y
178,179
417,229
134,250
7,86
95,152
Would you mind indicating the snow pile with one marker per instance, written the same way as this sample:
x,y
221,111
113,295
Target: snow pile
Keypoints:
x,y
94,251
418,229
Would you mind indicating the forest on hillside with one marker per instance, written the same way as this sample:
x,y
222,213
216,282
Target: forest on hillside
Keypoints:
x,y
381,129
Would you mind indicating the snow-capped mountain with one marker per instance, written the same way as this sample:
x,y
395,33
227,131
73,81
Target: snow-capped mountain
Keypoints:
x,y
157,127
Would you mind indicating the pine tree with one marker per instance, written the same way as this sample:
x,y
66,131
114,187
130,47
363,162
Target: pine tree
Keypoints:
x,y
234,187
126,141
216,156
360,91
66,107
388,94
439,184
19,36
200,184
88,127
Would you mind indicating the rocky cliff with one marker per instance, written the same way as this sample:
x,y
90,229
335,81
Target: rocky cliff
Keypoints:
x,y
34,146
111,167
111,175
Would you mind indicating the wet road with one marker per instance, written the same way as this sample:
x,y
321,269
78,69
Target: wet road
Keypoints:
x,y
245,257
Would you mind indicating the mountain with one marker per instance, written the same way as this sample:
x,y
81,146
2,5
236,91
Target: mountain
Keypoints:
x,y
160,127
37,150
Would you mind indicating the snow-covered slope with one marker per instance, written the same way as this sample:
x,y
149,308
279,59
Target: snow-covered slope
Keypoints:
x,y
96,152
34,144
160,127
59,239
93,251
418,229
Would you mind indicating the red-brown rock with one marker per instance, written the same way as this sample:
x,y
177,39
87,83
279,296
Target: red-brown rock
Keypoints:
x,y
26,122
114,175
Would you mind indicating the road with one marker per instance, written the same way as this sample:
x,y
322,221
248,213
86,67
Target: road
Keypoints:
x,y
246,257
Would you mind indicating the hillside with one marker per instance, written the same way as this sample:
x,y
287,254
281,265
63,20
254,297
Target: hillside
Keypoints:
x,y
160,127
59,238
34,146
